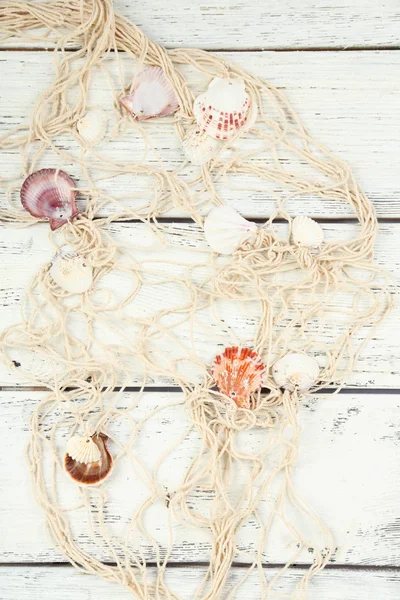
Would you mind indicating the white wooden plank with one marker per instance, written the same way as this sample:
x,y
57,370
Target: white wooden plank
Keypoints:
x,y
348,100
52,583
239,25
346,471
23,252
288,24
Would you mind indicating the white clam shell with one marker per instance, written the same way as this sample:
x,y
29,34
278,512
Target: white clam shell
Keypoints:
x,y
224,109
199,147
70,271
83,449
296,371
93,126
307,233
226,230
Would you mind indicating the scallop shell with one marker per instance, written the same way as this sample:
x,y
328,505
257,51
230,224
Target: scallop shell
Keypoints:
x,y
83,449
296,371
50,194
92,127
89,473
199,147
238,373
223,109
307,232
226,230
152,95
71,272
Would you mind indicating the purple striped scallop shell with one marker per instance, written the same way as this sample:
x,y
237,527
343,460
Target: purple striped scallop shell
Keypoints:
x,y
50,194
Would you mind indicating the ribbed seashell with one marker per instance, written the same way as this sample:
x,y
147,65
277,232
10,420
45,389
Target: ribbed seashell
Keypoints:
x,y
50,194
296,371
152,95
223,109
238,373
307,232
71,272
90,473
226,230
83,449
92,127
199,147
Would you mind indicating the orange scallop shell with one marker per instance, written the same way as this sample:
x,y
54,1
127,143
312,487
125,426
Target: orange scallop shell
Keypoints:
x,y
238,373
91,473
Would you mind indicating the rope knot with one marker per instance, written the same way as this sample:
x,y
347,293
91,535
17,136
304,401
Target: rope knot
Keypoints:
x,y
305,259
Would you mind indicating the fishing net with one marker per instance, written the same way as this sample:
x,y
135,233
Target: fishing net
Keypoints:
x,y
216,484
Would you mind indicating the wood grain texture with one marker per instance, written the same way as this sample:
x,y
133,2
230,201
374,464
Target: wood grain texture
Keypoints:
x,y
240,25
376,367
347,472
52,583
289,24
348,100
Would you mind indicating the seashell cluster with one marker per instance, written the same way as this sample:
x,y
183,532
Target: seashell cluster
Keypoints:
x,y
238,373
307,233
226,230
50,194
87,459
92,127
152,95
199,147
71,272
224,109
296,372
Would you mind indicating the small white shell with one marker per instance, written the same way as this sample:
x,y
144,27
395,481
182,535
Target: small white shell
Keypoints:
x,y
296,371
70,271
93,126
307,232
199,147
226,230
83,449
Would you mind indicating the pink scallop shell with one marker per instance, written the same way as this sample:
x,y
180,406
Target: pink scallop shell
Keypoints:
x,y
238,373
152,96
50,194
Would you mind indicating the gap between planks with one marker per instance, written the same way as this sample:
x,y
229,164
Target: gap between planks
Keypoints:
x,y
172,389
178,565
261,220
230,50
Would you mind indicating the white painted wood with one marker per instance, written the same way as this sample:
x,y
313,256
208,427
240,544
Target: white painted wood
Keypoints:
x,y
348,100
52,583
286,24
24,251
347,471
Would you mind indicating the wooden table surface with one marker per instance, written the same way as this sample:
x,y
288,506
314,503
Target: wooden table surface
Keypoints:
x,y
339,65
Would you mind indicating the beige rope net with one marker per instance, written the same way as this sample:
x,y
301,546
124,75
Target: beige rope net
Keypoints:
x,y
163,305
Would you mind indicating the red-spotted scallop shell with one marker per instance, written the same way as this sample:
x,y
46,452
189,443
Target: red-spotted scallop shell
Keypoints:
x,y
87,459
224,109
50,194
152,95
238,373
